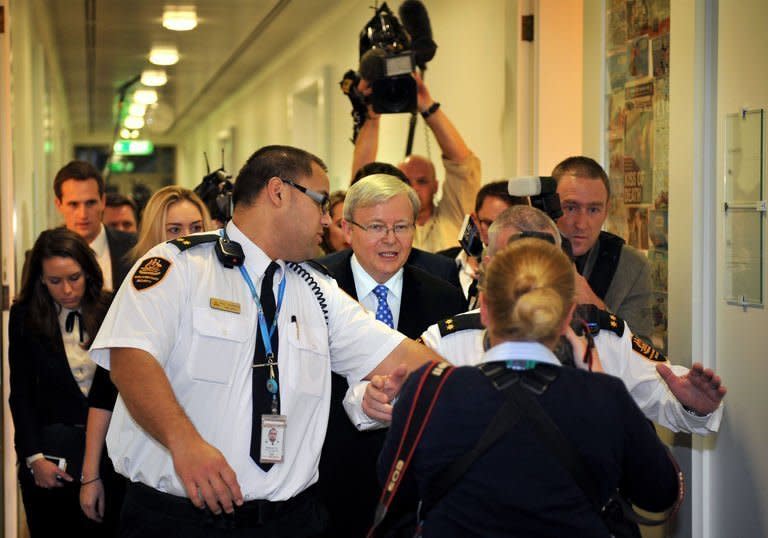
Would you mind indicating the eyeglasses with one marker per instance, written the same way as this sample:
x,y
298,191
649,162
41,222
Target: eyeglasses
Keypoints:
x,y
319,198
379,230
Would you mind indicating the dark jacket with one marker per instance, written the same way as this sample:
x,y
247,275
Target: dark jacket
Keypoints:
x,y
348,482
518,487
43,390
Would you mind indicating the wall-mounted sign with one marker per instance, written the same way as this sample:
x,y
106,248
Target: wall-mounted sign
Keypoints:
x,y
134,147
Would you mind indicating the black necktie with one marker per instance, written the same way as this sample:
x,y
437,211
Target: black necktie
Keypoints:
x,y
262,399
69,323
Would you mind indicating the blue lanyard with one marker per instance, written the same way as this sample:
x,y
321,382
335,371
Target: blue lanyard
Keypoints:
x,y
266,334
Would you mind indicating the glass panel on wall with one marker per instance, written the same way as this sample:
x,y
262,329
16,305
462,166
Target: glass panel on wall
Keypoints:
x,y
744,207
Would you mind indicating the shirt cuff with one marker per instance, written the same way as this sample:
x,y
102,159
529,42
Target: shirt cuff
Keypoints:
x,y
33,458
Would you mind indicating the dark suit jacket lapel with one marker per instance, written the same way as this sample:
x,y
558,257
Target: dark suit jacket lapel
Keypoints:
x,y
340,266
411,308
119,245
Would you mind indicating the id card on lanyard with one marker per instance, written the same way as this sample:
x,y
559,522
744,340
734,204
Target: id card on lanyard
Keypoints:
x,y
273,425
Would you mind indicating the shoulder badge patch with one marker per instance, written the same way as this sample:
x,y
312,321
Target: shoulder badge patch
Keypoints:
x,y
462,322
189,241
610,322
647,350
150,272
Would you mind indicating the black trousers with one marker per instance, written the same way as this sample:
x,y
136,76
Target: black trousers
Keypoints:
x,y
148,513
51,512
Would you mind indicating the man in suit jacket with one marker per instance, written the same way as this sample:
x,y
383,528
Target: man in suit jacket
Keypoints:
x,y
612,275
379,216
80,198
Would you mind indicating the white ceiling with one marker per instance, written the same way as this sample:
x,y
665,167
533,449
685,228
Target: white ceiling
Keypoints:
x,y
233,40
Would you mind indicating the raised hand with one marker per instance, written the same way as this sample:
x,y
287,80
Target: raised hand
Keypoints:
x,y
700,389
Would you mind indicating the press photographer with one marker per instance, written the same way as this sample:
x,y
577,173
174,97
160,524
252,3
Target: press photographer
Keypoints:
x,y
438,224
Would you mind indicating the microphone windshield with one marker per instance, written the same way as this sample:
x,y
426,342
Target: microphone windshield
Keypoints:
x,y
415,19
531,186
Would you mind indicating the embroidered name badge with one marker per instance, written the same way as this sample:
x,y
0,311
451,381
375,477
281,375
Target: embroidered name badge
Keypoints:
x,y
647,350
150,272
226,306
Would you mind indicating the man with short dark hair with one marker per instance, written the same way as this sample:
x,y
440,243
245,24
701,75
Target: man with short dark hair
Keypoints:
x,y
120,213
612,275
79,190
221,337
437,225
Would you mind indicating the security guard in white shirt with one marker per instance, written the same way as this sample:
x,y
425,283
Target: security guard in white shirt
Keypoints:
x,y
672,396
181,342
462,341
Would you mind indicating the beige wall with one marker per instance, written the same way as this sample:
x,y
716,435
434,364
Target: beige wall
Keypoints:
x,y
738,483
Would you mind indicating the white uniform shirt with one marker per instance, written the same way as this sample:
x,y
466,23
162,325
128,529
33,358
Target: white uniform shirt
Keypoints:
x,y
364,284
207,355
619,359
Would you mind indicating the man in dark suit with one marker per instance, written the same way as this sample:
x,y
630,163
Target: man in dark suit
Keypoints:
x,y
379,216
80,198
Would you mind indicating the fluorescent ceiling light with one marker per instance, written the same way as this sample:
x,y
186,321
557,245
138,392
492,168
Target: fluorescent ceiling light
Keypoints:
x,y
137,109
153,77
133,122
164,55
145,97
179,18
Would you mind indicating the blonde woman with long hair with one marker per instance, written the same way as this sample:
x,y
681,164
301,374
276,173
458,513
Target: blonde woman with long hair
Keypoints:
x,y
172,212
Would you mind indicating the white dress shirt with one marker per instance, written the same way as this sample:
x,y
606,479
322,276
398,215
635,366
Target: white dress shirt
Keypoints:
x,y
101,247
364,285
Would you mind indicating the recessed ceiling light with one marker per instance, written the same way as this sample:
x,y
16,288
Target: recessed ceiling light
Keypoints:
x,y
137,109
153,77
179,18
133,122
164,55
145,97
125,133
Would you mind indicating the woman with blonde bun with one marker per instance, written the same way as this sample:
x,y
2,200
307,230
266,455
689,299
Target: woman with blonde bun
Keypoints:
x,y
518,486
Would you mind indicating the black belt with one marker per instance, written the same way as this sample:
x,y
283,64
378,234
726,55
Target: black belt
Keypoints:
x,y
251,514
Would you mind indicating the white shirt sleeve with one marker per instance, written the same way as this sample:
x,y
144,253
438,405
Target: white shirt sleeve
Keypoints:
x,y
145,319
646,386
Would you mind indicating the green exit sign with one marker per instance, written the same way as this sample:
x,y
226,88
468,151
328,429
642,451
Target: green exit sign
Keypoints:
x,y
134,147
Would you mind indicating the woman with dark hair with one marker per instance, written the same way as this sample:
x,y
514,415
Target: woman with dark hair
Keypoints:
x,y
52,322
519,485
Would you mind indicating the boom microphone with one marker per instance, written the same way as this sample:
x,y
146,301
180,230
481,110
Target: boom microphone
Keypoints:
x,y
532,186
415,19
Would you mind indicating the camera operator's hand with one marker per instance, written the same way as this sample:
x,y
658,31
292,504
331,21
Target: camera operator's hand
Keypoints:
x,y
423,97
365,89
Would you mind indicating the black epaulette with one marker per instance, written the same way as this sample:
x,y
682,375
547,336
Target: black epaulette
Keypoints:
x,y
462,322
610,322
189,241
319,267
